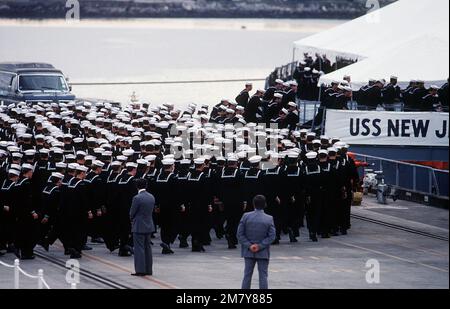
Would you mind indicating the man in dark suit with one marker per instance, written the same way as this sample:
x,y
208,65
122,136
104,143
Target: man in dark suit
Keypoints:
x,y
141,215
256,233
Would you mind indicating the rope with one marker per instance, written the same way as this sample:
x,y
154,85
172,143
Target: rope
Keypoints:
x,y
168,82
39,277
26,274
45,284
6,265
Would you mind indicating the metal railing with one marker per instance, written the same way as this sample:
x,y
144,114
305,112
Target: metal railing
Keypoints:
x,y
411,177
41,283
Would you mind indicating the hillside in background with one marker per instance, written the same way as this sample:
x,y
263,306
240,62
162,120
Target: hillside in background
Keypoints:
x,y
340,9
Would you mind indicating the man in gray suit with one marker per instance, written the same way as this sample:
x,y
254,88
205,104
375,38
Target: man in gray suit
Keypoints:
x,y
256,233
141,215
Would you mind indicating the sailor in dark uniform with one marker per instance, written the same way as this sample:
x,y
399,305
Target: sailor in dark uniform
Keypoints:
x,y
274,107
126,191
26,212
430,102
351,179
75,213
291,194
253,113
200,204
243,97
253,182
391,92
183,172
7,215
111,235
292,119
167,204
335,184
291,94
96,188
313,187
417,95
443,96
230,193
51,200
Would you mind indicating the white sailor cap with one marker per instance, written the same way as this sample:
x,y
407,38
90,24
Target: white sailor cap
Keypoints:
x,y
332,150
150,158
278,95
78,140
311,155
317,142
434,87
14,172
82,168
72,166
185,162
98,163
199,161
17,155
285,111
131,165
57,175
81,153
30,152
142,162
323,152
60,165
122,158
168,162
307,69
279,81
231,157
255,159
394,77
116,163
292,155
27,166
128,152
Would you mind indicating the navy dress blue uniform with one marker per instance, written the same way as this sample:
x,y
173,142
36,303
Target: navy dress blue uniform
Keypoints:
x,y
200,198
74,216
7,218
126,191
27,227
168,203
230,193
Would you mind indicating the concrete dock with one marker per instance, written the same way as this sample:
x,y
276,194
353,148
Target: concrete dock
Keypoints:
x,y
411,248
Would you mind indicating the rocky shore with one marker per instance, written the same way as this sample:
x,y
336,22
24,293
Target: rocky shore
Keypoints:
x,y
40,9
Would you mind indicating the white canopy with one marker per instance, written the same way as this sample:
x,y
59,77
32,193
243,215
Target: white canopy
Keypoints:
x,y
425,58
409,38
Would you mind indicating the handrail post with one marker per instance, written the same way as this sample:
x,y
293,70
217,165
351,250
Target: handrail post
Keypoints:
x,y
430,182
16,274
397,175
40,279
414,178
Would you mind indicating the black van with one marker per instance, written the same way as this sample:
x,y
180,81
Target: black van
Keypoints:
x,y
32,83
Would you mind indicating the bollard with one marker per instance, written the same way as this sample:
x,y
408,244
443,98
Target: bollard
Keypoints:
x,y
40,279
16,274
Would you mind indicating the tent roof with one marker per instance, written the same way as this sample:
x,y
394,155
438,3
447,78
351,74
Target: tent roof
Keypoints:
x,y
425,57
409,38
381,30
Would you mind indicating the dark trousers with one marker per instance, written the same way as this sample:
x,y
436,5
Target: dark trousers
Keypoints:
x,y
143,257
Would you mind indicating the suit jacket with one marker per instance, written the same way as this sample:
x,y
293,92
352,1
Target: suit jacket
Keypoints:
x,y
141,213
256,228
